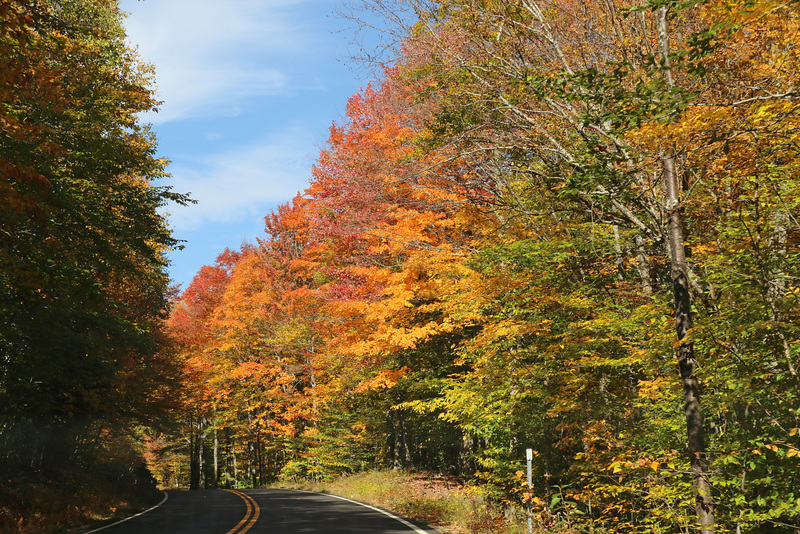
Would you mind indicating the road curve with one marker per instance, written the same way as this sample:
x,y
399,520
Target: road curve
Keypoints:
x,y
262,511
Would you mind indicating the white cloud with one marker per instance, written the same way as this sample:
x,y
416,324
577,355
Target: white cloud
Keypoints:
x,y
209,55
242,183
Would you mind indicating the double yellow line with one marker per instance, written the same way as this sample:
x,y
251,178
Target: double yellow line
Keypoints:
x,y
250,516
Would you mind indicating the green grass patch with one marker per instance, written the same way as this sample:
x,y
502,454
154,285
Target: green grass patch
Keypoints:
x,y
446,503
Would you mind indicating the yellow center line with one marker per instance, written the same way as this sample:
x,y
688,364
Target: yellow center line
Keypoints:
x,y
256,514
251,507
246,515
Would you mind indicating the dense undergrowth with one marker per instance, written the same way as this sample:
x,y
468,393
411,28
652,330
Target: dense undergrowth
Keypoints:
x,y
73,500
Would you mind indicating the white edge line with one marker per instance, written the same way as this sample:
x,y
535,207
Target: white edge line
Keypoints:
x,y
131,517
384,512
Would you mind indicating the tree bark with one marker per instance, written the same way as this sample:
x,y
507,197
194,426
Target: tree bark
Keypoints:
x,y
201,452
194,460
252,462
643,266
393,440
235,465
687,363
216,454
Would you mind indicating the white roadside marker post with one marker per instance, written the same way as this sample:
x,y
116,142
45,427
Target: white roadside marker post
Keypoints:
x,y
529,457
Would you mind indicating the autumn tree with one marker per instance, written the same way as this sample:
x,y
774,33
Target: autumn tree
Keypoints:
x,y
82,243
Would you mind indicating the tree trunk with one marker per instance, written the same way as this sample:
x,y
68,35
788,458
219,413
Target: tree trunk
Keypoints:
x,y
392,440
686,357
618,253
194,460
643,266
259,461
252,462
771,260
201,453
235,465
216,458
687,363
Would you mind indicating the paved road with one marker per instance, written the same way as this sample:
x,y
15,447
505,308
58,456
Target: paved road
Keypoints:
x,y
267,511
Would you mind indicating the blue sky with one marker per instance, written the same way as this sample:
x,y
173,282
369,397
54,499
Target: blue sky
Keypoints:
x,y
249,90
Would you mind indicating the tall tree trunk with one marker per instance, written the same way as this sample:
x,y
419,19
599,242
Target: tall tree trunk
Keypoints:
x,y
201,453
259,461
687,363
252,462
643,266
194,460
686,357
406,447
618,253
216,455
464,461
235,465
227,438
393,440
771,260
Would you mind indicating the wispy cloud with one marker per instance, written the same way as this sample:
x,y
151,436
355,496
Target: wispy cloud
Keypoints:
x,y
249,88
241,183
210,55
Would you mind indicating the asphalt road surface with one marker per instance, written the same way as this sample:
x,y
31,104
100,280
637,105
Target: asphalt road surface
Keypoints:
x,y
267,511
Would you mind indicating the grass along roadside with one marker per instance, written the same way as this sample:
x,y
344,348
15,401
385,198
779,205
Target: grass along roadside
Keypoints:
x,y
445,503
